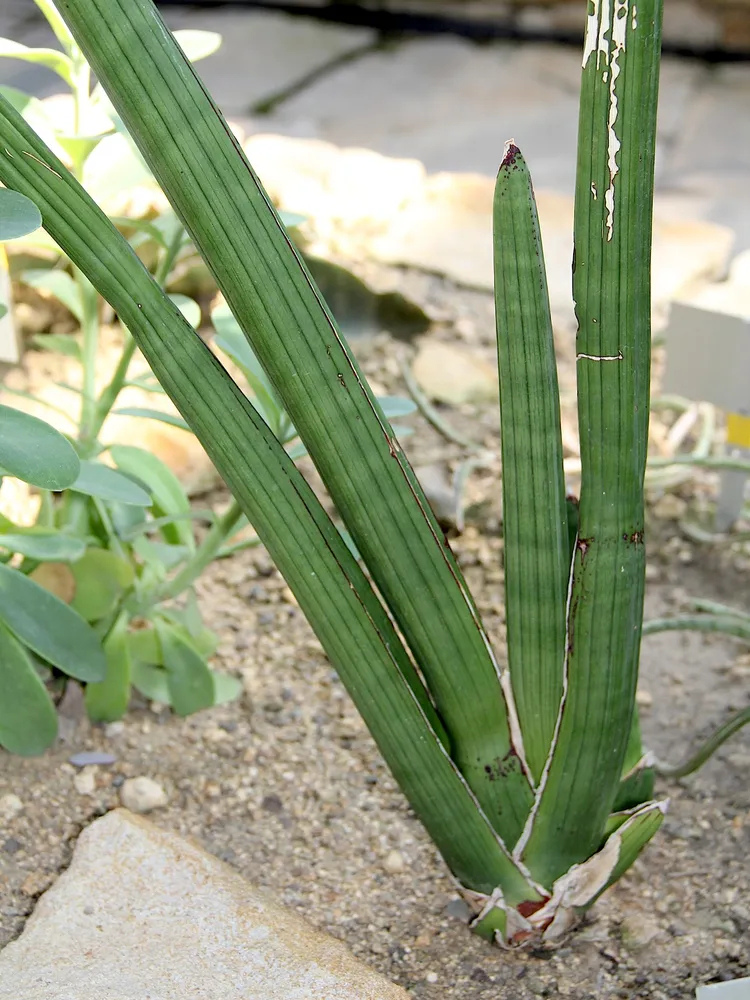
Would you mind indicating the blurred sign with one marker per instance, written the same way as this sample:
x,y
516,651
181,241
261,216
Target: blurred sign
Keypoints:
x,y
735,989
9,352
708,359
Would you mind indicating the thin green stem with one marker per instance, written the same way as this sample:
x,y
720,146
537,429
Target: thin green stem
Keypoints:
x,y
430,413
712,744
733,625
204,554
702,461
109,394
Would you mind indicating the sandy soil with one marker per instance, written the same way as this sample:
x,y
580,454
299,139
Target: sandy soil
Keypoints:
x,y
287,786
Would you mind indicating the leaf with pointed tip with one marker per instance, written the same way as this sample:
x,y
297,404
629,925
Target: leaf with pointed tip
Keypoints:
x,y
612,291
535,523
201,168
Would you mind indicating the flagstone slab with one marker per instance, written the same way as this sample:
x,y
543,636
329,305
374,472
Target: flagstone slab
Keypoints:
x,y
143,913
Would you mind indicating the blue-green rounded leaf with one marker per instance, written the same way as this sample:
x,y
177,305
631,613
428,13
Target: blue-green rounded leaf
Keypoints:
x,y
49,627
97,480
101,578
28,721
33,451
43,545
19,216
396,406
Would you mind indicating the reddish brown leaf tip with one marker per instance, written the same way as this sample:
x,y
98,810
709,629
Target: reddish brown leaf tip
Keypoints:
x,y
511,152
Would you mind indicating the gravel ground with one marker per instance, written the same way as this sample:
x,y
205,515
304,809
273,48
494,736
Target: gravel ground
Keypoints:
x,y
287,786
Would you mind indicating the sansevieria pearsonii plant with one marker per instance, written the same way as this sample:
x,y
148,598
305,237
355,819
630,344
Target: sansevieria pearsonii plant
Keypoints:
x,y
529,777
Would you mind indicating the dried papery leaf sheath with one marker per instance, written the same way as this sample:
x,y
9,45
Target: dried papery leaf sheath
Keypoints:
x,y
332,591
535,521
611,284
204,173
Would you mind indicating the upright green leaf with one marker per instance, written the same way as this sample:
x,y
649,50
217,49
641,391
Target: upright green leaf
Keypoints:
x,y
354,628
33,451
168,496
48,626
28,721
204,173
189,680
107,700
612,291
535,522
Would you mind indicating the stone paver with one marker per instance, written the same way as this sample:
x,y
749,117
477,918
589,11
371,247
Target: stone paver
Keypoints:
x,y
142,913
264,54
452,104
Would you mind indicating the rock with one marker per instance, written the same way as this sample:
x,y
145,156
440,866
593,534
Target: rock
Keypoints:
x,y
644,698
394,863
440,493
36,883
347,194
731,296
431,977
141,912
85,781
285,50
142,795
455,375
639,931
10,807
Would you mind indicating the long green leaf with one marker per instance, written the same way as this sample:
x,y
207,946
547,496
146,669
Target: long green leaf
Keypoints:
x,y
612,291
535,522
28,721
332,590
201,167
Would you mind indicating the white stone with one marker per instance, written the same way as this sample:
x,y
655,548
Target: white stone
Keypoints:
x,y
452,374
264,54
85,780
10,807
142,913
142,795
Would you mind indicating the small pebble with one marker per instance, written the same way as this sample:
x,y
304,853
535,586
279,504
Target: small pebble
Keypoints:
x,y
644,698
87,757
431,977
394,862
142,794
85,781
114,729
423,941
10,807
